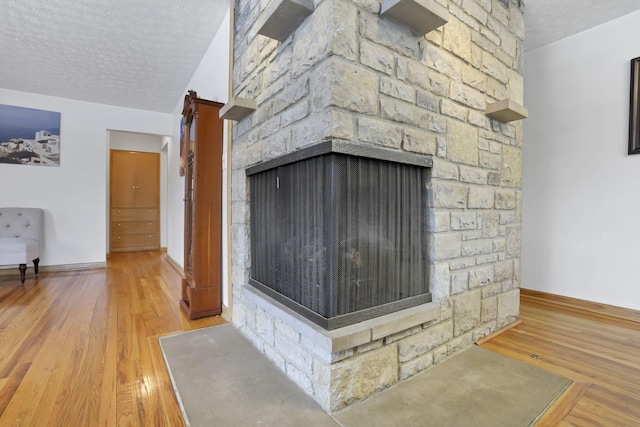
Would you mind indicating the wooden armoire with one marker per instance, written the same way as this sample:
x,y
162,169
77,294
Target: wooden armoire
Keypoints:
x,y
135,201
202,158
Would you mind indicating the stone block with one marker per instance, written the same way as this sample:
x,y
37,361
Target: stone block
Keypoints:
x,y
385,33
473,175
464,220
449,195
265,326
361,376
377,57
493,67
476,247
439,222
459,282
412,367
294,353
466,312
511,167
427,100
457,38
481,276
490,161
489,309
481,198
467,95
443,62
445,246
513,241
473,8
419,141
462,142
508,307
379,132
397,89
437,124
445,170
505,199
300,377
419,344
402,112
439,274
403,320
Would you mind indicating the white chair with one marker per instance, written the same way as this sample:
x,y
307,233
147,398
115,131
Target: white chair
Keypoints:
x,y
20,234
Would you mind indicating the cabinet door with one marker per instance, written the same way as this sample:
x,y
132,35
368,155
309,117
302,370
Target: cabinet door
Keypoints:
x,y
147,180
123,179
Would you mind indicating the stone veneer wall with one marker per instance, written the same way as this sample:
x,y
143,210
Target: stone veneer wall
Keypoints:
x,y
348,74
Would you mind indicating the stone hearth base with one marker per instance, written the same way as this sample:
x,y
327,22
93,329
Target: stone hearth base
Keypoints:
x,y
349,364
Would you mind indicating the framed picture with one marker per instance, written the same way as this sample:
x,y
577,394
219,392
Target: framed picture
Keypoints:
x,y
29,136
634,112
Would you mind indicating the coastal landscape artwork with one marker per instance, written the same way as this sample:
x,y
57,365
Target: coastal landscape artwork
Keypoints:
x,y
29,136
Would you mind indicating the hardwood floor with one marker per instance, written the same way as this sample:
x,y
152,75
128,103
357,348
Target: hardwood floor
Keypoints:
x,y
80,349
601,354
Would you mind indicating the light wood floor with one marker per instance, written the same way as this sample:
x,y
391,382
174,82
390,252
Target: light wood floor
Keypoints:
x,y
600,354
80,349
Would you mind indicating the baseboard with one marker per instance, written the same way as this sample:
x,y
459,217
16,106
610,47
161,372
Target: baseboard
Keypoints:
x,y
176,266
582,305
4,271
498,332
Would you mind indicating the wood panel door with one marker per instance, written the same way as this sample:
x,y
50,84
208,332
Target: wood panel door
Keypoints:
x,y
147,177
123,179
135,201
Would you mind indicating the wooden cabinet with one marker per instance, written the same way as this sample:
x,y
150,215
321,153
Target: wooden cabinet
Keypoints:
x,y
135,201
202,160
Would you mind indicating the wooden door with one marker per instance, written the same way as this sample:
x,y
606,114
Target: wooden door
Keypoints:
x,y
123,178
135,201
147,177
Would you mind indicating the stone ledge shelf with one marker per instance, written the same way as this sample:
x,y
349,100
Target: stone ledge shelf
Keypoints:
x,y
282,18
506,111
422,16
325,343
237,108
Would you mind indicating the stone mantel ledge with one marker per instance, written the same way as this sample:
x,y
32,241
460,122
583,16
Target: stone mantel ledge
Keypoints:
x,y
325,343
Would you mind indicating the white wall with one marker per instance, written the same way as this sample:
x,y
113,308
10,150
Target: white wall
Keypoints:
x,y
210,81
74,194
581,200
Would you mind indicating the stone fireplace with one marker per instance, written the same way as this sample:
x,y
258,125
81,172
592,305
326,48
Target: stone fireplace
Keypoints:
x,y
348,77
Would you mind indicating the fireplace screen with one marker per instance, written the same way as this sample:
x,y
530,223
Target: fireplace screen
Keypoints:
x,y
338,232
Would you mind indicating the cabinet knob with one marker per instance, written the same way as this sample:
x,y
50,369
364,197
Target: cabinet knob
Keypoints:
x,y
150,224
118,211
119,238
119,225
150,236
133,187
137,187
150,211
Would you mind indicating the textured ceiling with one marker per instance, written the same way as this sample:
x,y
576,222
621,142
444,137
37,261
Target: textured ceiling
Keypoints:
x,y
133,53
142,53
548,21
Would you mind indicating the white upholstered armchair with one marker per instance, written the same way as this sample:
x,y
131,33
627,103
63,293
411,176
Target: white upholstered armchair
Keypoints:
x,y
20,234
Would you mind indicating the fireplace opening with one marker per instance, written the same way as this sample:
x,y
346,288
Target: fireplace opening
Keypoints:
x,y
339,231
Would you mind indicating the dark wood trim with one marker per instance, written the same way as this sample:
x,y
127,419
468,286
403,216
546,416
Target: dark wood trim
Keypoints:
x,y
634,111
498,332
582,305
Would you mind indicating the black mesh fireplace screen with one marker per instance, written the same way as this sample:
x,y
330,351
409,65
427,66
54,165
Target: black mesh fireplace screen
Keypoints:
x,y
338,232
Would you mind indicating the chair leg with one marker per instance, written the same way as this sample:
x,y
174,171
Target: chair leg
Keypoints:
x,y
22,268
35,264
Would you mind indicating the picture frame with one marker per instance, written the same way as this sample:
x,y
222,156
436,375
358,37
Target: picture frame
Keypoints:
x,y
29,136
634,108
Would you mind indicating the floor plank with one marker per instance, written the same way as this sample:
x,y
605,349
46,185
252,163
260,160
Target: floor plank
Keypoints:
x,y
80,348
600,353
